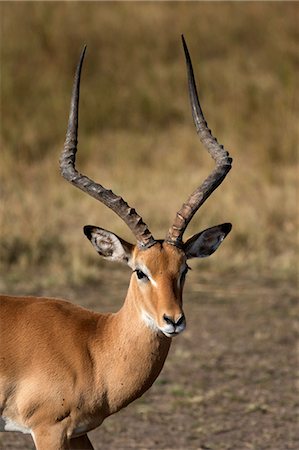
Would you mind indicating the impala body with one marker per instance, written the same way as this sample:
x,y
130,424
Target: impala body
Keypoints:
x,y
64,369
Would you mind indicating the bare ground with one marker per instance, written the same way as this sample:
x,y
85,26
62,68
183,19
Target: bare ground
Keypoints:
x,y
229,381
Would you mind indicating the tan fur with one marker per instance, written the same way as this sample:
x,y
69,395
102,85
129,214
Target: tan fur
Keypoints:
x,y
64,367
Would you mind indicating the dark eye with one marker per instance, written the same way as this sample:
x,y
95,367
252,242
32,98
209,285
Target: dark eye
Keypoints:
x,y
141,275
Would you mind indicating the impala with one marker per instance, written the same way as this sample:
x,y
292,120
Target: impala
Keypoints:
x,y
64,369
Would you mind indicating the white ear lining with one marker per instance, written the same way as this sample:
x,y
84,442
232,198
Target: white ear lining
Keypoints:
x,y
108,245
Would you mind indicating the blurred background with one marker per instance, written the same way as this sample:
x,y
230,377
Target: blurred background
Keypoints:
x,y
230,380
136,134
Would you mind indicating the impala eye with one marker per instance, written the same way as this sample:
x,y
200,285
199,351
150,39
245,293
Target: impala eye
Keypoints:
x,y
141,275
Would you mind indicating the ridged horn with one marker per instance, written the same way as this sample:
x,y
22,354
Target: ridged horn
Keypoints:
x,y
217,152
106,196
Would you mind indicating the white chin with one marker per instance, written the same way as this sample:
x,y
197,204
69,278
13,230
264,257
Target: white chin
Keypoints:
x,y
169,335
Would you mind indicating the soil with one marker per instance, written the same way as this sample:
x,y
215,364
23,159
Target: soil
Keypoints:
x,y
229,382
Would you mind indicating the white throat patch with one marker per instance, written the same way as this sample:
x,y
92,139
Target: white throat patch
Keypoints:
x,y
7,424
149,321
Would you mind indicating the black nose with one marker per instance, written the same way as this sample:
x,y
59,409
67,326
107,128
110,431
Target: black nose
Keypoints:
x,y
171,321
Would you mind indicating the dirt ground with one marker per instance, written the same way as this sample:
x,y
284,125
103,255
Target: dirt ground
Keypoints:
x,y
230,379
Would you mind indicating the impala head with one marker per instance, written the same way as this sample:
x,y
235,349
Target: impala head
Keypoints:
x,y
159,266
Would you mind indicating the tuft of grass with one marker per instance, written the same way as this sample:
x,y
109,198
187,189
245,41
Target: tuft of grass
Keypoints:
x,y
136,134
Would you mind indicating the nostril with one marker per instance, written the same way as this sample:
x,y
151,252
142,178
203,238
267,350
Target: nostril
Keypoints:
x,y
168,320
180,320
171,321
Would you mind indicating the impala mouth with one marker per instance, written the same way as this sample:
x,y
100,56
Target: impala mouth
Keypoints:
x,y
173,326
171,335
169,331
174,333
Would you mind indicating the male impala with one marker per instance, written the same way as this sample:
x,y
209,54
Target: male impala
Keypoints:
x,y
64,369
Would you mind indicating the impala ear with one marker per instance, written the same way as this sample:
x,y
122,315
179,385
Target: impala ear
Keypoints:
x,y
206,242
109,245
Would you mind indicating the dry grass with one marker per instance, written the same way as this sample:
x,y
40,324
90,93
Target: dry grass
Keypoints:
x,y
136,134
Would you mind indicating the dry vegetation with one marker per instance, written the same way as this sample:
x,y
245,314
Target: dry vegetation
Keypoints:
x,y
230,380
136,133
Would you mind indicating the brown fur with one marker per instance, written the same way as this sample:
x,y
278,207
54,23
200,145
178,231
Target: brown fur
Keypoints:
x,y
63,366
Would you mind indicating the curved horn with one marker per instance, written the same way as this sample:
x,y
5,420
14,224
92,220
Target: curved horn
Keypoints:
x,y
217,152
69,172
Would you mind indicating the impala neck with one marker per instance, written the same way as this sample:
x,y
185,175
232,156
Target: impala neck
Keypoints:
x,y
131,325
137,355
